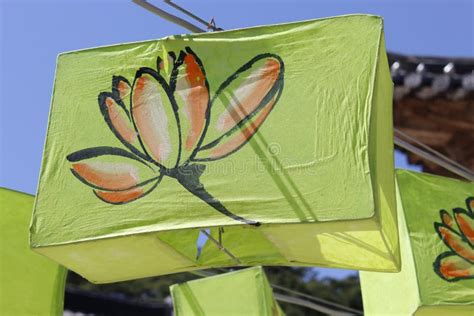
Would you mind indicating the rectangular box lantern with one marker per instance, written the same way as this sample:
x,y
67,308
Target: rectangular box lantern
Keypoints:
x,y
276,139
30,284
436,223
244,292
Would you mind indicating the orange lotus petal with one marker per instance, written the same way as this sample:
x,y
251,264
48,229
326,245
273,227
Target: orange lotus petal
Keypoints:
x,y
151,118
455,242
447,219
164,65
240,137
453,267
248,96
466,225
108,176
120,197
124,89
120,121
193,90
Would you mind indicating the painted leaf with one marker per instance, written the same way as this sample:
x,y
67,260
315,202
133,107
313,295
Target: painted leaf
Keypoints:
x,y
155,115
241,105
465,223
126,196
192,95
452,267
455,242
110,169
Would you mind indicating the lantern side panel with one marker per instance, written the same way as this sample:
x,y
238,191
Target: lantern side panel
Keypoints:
x,y
143,255
341,244
29,283
235,293
382,155
438,216
290,139
393,293
120,258
308,162
458,310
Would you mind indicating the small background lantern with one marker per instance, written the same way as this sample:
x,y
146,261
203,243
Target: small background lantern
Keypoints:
x,y
242,292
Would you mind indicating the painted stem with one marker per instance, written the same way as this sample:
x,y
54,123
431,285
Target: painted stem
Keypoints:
x,y
188,177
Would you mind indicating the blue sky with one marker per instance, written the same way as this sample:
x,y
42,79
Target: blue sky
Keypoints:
x,y
34,32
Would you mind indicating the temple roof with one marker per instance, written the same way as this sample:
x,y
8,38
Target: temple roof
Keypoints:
x,y
434,103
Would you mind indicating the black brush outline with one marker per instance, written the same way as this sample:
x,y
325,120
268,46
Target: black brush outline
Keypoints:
x,y
159,60
93,152
441,215
468,204
175,70
116,92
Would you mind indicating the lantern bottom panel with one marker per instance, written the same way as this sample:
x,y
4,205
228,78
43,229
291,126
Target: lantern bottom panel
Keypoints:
x,y
360,245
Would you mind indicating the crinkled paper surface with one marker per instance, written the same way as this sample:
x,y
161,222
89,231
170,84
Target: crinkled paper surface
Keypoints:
x,y
30,284
436,225
309,160
243,292
287,126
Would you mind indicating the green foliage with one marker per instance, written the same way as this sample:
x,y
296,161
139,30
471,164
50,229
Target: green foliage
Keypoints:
x,y
154,289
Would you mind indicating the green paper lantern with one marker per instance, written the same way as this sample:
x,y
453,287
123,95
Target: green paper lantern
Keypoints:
x,y
243,292
29,283
436,223
277,139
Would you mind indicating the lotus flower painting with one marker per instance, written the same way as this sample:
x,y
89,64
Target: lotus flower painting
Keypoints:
x,y
436,224
269,134
458,235
170,124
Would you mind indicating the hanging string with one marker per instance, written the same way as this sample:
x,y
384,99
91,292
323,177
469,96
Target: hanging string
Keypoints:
x,y
211,25
168,17
431,154
219,245
314,306
317,299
